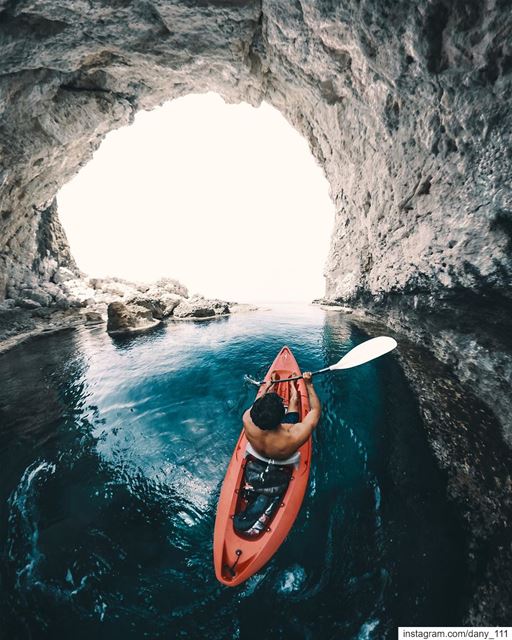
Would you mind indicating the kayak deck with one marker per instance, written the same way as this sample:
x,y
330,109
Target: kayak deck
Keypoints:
x,y
236,556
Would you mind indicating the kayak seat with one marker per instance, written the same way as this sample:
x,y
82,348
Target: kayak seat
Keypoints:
x,y
264,485
264,477
258,512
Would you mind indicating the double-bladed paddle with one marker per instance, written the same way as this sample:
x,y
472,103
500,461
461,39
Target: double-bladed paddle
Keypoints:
x,y
364,352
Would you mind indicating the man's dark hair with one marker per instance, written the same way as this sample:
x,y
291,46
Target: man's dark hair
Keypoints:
x,y
267,412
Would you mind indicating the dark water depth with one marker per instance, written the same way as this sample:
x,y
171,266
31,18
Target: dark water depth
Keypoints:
x,y
112,453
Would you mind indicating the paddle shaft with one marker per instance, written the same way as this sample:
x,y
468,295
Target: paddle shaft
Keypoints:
x,y
360,354
313,373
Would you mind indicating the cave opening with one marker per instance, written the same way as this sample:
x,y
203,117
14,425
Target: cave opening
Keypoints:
x,y
226,198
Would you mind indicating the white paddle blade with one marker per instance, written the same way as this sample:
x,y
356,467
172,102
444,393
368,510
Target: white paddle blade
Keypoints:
x,y
366,351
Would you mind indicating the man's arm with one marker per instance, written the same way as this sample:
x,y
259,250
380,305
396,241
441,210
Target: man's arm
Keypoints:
x,y
314,401
265,388
301,431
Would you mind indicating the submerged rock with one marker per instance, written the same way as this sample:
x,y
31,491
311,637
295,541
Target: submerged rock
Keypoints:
x,y
127,318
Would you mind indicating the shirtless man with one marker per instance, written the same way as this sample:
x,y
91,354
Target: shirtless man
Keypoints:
x,y
275,432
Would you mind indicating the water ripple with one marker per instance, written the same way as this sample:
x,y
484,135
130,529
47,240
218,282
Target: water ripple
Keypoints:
x,y
111,470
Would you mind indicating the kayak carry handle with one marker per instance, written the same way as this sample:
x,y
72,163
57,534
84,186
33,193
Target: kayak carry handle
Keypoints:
x,y
231,570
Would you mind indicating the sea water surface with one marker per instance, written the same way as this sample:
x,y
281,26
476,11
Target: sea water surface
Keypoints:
x,y
112,454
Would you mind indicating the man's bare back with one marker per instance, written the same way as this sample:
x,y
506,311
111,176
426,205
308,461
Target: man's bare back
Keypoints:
x,y
284,439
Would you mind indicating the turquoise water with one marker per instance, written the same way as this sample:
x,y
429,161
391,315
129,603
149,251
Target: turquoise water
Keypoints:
x,y
112,453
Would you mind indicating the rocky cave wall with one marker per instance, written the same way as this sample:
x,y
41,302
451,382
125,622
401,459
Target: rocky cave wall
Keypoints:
x,y
405,105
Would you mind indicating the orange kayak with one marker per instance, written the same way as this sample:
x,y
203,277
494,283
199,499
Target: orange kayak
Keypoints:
x,y
237,555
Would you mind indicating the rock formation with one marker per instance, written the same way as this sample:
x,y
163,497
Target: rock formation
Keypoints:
x,y
126,306
144,312
405,105
199,307
127,318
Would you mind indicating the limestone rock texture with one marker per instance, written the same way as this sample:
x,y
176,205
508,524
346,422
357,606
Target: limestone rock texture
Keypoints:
x,y
405,105
128,318
199,307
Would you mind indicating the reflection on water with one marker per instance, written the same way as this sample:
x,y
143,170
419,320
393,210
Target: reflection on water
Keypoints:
x,y
112,456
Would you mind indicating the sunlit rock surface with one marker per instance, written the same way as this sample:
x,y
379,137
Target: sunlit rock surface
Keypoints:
x,y
405,106
128,318
199,307
143,312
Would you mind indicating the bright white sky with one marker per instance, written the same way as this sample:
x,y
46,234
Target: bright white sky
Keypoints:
x,y
226,198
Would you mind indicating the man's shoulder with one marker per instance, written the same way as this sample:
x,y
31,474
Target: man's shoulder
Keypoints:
x,y
247,422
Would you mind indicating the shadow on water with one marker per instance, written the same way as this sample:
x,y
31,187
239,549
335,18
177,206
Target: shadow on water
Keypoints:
x,y
414,544
112,456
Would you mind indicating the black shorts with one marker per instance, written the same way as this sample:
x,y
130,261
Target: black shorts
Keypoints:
x,y
292,417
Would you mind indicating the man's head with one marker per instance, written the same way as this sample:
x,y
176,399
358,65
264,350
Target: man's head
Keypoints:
x,y
267,412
